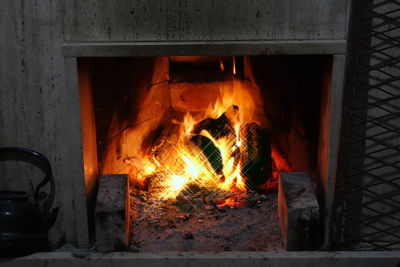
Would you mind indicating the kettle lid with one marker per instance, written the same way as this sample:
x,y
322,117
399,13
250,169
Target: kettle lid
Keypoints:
x,y
13,196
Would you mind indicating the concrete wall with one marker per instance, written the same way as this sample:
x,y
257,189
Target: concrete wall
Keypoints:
x,y
37,110
39,98
185,20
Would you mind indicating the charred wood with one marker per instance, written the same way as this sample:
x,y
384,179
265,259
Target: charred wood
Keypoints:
x,y
255,155
218,127
212,153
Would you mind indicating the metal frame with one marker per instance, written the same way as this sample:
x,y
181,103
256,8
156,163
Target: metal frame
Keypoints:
x,y
367,198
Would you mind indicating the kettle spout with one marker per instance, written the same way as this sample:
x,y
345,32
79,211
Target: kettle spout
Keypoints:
x,y
51,218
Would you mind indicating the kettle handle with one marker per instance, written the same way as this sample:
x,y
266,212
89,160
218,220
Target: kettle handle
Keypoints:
x,y
45,162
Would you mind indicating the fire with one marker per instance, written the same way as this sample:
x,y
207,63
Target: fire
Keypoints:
x,y
231,202
209,145
233,66
221,65
176,183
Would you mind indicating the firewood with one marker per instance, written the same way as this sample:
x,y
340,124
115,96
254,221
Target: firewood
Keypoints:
x,y
255,155
164,147
212,153
218,127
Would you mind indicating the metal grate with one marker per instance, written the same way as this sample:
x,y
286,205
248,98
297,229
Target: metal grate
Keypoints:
x,y
367,200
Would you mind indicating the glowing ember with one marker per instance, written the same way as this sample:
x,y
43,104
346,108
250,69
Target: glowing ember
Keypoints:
x,y
175,185
231,202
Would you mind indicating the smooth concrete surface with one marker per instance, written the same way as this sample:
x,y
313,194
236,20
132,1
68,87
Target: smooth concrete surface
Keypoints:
x,y
228,259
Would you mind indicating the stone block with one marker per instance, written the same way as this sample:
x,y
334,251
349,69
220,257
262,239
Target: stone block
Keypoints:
x,y
298,212
111,213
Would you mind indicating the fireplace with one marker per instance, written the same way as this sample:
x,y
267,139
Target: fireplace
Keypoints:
x,y
79,79
202,141
100,89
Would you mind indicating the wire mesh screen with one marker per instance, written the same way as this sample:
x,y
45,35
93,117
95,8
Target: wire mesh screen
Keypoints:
x,y
367,200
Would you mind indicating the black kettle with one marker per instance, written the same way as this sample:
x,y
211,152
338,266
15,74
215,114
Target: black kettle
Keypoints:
x,y
23,226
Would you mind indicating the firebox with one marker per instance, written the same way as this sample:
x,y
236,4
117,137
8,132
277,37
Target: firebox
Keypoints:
x,y
199,142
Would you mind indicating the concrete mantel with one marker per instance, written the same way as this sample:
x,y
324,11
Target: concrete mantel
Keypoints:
x,y
204,48
229,259
193,20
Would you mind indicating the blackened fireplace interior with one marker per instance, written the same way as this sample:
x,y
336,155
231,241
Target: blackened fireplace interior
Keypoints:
x,y
135,112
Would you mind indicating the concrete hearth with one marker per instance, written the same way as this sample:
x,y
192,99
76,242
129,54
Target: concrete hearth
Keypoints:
x,y
231,259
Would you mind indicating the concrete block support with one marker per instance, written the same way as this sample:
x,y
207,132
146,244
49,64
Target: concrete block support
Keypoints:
x,y
298,212
111,213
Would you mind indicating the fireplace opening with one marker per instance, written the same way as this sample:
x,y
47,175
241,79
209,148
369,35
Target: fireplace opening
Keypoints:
x,y
201,141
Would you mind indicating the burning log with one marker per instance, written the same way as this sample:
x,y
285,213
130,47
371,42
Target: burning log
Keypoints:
x,y
164,147
212,153
218,127
255,155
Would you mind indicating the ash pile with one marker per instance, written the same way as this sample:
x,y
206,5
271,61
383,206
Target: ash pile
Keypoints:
x,y
200,219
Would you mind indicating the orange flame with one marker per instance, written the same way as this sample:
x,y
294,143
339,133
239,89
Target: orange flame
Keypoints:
x,y
231,202
233,66
237,103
